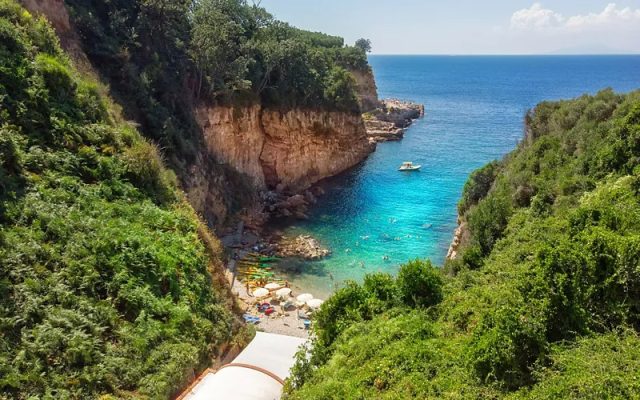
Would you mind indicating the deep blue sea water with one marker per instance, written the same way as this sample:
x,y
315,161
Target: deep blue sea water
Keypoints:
x,y
475,107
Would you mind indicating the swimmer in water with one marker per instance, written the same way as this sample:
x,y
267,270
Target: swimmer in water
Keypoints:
x,y
385,257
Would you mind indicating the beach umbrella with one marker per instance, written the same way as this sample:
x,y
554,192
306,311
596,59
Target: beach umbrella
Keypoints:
x,y
304,297
283,293
260,292
272,286
314,303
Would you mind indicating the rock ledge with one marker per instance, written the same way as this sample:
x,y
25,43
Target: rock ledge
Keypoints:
x,y
390,120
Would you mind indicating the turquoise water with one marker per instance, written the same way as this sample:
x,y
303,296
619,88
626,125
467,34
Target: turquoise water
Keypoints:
x,y
474,113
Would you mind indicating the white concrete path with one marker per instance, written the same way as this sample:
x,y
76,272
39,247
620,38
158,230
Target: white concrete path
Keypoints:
x,y
257,373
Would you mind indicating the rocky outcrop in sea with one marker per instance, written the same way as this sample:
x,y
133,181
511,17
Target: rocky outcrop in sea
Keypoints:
x,y
390,121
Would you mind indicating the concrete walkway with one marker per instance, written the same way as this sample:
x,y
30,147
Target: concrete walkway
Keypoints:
x,y
257,373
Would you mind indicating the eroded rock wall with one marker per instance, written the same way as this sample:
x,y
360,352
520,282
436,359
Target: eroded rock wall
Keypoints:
x,y
287,149
303,147
234,136
367,90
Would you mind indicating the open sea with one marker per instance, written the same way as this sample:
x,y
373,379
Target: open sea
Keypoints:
x,y
474,111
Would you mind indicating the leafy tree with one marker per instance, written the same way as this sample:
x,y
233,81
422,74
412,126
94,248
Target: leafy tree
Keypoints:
x,y
220,31
420,284
477,186
364,45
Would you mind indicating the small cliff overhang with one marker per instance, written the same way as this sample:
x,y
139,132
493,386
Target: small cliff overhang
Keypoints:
x,y
257,373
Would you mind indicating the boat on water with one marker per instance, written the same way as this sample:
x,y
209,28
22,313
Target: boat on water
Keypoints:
x,y
408,166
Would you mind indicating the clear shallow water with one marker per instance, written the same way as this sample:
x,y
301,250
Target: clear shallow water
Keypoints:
x,y
474,114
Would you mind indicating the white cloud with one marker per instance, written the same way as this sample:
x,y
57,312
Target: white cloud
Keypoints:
x,y
611,16
538,29
538,18
535,17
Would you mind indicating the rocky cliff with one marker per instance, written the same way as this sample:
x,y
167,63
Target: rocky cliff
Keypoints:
x,y
283,149
366,89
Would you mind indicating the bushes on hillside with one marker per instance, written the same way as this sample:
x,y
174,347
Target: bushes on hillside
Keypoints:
x,y
224,50
104,284
477,186
419,284
595,367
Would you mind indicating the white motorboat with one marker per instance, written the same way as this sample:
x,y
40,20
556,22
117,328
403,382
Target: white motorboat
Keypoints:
x,y
408,166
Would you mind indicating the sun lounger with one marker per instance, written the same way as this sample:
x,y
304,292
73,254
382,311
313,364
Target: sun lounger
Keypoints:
x,y
250,319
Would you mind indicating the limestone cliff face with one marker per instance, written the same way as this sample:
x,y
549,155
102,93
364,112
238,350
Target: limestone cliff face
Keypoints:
x,y
234,136
291,149
303,147
367,90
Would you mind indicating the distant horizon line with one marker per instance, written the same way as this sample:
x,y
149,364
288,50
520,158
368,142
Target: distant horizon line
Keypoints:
x,y
504,55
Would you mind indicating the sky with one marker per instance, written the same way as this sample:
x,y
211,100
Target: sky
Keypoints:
x,y
472,26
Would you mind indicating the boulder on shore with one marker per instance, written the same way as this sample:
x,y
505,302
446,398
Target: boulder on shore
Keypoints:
x,y
303,246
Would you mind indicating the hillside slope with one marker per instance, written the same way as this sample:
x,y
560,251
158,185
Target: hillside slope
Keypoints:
x,y
544,301
108,280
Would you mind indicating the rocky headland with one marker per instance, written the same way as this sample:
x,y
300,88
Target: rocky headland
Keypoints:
x,y
391,119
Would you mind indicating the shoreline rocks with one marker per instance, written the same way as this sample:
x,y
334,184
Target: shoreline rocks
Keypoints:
x,y
303,246
390,121
281,204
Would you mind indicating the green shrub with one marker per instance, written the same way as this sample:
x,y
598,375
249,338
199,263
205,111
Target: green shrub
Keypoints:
x,y
472,257
488,220
506,345
419,284
597,367
57,78
344,307
340,89
477,186
145,169
382,287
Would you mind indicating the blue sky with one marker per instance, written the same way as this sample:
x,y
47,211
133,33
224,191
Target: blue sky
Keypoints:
x,y
472,26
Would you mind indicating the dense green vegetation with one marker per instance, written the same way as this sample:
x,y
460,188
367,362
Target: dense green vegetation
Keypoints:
x,y
105,280
543,303
161,56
